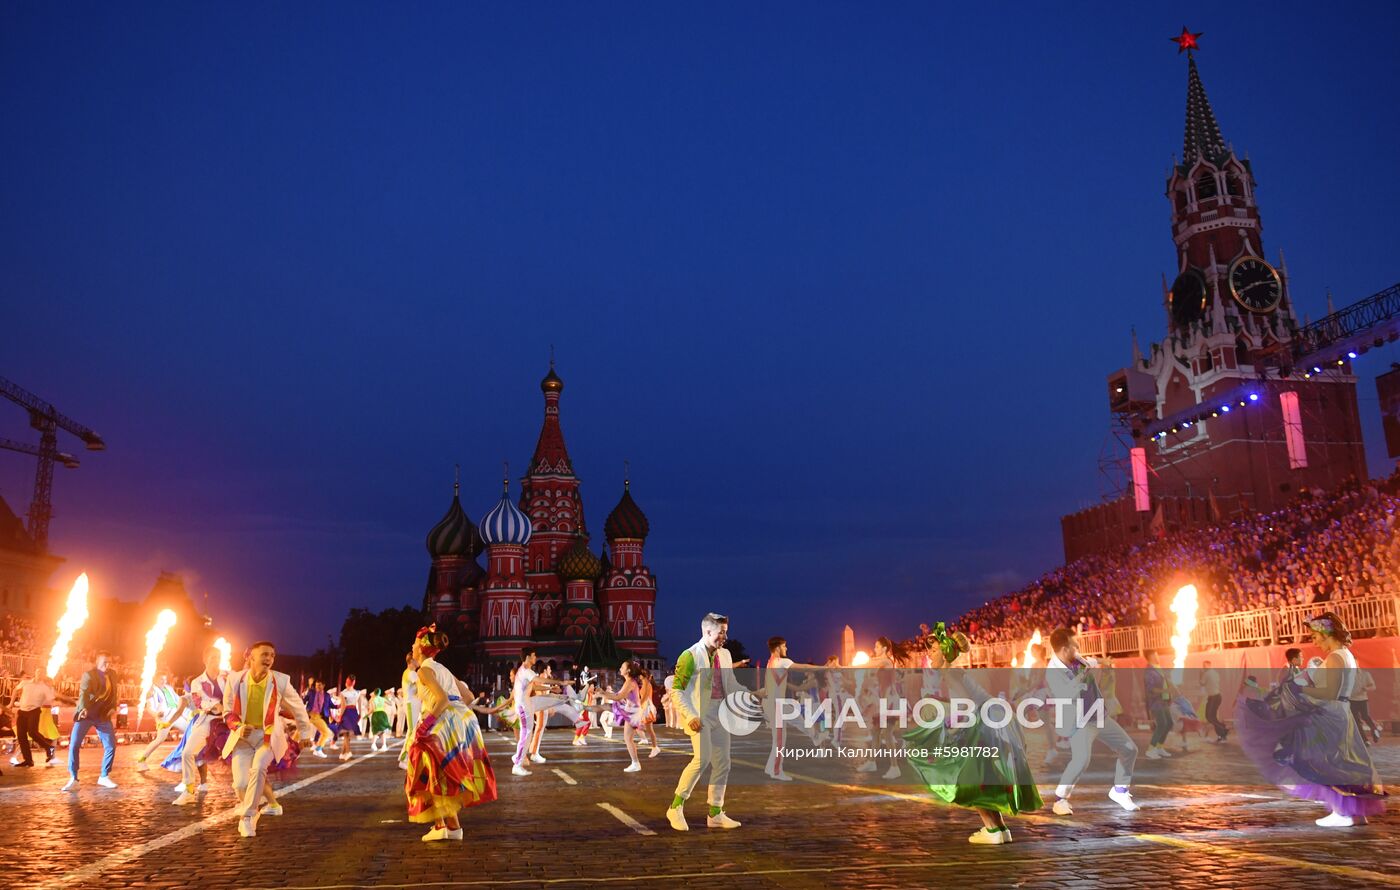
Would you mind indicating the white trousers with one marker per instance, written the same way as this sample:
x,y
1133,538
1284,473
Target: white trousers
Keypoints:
x,y
708,747
196,736
1081,748
161,735
251,758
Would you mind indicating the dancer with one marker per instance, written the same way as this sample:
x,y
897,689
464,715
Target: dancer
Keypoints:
x,y
1304,739
448,765
529,702
170,713
97,700
348,723
995,787
204,737
33,698
1209,682
1071,680
775,688
632,706
1361,705
883,664
318,709
379,721
255,700
410,705
704,676
1159,692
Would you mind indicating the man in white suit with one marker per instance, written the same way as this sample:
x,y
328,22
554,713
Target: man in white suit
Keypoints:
x,y
704,676
1071,679
255,700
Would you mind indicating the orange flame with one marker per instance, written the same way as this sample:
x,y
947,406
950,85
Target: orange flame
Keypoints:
x,y
1184,605
1028,661
225,654
155,641
73,618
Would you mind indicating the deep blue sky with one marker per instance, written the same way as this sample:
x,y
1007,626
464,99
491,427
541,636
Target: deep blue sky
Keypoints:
x,y
842,282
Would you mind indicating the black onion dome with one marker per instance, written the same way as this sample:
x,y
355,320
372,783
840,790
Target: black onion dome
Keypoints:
x,y
627,519
455,534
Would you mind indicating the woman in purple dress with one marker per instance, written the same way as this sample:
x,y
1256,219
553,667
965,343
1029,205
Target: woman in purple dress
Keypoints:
x,y
1304,739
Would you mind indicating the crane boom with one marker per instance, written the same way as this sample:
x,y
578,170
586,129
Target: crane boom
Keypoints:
x,y
68,460
40,410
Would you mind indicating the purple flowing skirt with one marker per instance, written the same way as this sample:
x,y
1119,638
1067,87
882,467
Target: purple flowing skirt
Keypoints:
x,y
1311,749
213,746
349,722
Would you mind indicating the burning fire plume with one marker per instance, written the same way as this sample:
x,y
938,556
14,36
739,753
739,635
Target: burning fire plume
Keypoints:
x,y
1184,605
155,641
225,654
1028,661
73,617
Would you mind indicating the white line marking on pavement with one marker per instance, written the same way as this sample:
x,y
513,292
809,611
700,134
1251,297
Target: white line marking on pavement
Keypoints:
x,y
626,819
568,779
130,854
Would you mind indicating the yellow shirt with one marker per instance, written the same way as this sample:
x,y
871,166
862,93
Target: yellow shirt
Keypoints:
x,y
257,696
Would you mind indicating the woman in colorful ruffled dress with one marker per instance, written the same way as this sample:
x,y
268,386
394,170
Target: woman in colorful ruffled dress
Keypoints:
x,y
634,710
995,786
1304,739
448,768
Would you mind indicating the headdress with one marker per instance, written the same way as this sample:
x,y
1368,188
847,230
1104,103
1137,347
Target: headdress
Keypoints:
x,y
429,638
953,644
1322,625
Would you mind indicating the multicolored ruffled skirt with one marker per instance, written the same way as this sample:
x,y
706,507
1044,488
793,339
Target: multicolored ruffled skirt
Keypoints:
x,y
448,767
1311,749
213,745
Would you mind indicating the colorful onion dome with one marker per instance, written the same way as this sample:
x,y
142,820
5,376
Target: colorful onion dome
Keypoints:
x,y
579,563
627,519
455,534
506,523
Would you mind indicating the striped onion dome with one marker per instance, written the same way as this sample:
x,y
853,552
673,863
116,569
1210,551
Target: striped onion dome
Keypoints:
x,y
579,563
455,534
627,519
505,524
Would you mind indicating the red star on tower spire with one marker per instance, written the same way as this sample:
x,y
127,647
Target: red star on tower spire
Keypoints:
x,y
1186,41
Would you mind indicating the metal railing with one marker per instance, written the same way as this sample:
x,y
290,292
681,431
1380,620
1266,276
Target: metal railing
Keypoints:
x,y
1368,616
17,666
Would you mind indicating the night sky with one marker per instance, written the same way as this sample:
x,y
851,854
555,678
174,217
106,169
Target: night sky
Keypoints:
x,y
843,284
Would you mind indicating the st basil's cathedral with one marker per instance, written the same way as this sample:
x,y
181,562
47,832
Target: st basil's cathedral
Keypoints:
x,y
542,583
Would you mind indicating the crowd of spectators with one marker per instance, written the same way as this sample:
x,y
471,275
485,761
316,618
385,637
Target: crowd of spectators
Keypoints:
x,y
1322,548
17,635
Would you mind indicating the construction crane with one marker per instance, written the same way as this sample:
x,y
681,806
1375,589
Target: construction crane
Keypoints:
x,y
45,418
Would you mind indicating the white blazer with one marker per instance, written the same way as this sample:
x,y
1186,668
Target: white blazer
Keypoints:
x,y
692,701
282,700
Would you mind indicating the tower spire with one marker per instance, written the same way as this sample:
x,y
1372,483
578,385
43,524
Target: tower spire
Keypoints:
x,y
1202,139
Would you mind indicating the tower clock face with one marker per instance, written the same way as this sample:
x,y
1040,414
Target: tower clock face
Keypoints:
x,y
1255,284
1188,297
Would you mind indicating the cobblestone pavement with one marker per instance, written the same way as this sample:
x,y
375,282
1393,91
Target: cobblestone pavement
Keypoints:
x,y
579,821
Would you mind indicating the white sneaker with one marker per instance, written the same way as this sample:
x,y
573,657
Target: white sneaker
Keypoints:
x,y
634,768
781,777
1050,756
318,752
892,772
1336,820
1163,752
519,770
179,788
247,827
535,758
443,834
676,816
141,766
272,809
15,761
185,799
71,786
1153,754
983,836
201,787
1124,799
1062,808
867,767
577,741
106,782
345,755
722,821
